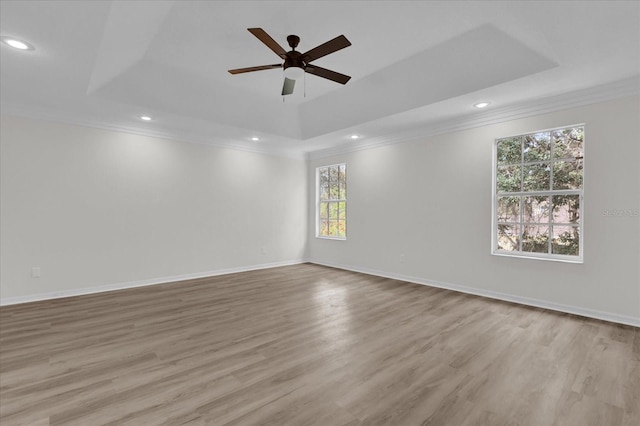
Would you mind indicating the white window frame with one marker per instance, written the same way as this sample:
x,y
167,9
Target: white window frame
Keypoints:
x,y
328,237
494,203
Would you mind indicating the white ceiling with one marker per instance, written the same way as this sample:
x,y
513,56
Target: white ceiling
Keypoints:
x,y
413,64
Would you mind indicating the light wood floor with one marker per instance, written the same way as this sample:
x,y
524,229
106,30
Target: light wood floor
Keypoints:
x,y
311,345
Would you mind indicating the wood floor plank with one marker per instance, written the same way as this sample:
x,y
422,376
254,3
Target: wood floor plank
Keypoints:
x,y
310,345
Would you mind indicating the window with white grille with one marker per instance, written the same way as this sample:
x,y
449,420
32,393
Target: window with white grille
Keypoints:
x,y
538,194
332,201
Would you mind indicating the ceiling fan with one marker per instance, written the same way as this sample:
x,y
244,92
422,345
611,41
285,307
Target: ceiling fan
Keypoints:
x,y
297,63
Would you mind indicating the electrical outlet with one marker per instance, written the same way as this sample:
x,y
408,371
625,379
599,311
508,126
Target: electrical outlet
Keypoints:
x,y
264,250
402,258
35,272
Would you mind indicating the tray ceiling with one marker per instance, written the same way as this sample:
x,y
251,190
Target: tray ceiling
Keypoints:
x,y
412,64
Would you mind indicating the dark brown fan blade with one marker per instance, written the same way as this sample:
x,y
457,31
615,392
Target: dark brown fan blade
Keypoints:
x,y
287,87
271,43
328,74
250,69
324,49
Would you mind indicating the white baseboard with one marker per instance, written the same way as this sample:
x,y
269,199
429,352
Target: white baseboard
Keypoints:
x,y
590,313
585,312
142,283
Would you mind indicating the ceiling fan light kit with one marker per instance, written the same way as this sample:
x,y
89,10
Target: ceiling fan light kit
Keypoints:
x,y
294,72
296,64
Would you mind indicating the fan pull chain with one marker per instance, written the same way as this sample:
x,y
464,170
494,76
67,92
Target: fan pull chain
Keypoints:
x,y
305,84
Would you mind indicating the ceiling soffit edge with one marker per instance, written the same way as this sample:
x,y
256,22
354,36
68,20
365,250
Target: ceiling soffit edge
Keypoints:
x,y
496,56
127,21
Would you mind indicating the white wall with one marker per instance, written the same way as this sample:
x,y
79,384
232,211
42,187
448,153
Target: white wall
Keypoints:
x,y
431,201
95,208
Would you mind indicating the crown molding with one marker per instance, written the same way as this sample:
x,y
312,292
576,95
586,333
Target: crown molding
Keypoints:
x,y
619,89
61,118
615,90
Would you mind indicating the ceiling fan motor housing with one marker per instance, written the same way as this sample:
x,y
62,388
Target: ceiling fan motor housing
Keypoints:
x,y
294,59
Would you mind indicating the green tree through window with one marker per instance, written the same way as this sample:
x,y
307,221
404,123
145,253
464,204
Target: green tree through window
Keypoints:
x,y
332,201
538,194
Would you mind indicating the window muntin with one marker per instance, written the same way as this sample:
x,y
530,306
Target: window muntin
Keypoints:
x,y
538,192
332,201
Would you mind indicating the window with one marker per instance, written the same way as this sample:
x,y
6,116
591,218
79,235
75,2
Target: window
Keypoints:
x,y
332,201
538,194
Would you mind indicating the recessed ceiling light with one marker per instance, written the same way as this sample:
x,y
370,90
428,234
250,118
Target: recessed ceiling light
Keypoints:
x,y
354,137
481,104
16,44
145,118
255,138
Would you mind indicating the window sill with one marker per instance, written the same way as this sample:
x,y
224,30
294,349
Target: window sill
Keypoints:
x,y
556,258
321,237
